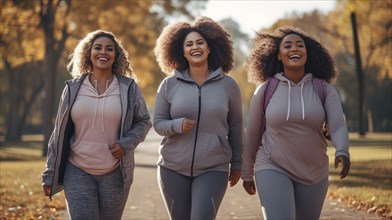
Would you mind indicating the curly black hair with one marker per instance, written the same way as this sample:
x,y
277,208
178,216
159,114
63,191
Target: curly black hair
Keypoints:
x,y
169,52
263,62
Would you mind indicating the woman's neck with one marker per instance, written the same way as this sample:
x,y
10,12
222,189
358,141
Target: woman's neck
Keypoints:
x,y
100,75
199,73
294,76
101,80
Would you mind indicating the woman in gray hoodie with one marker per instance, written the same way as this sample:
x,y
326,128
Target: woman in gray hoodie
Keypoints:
x,y
102,117
198,111
290,164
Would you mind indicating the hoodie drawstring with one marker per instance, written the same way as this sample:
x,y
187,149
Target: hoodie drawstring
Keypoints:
x,y
103,108
302,102
288,102
96,105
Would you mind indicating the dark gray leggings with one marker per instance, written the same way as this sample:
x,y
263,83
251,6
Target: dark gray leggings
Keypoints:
x,y
283,198
96,197
196,198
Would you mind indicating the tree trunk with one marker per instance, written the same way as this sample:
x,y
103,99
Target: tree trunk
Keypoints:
x,y
13,133
361,84
53,50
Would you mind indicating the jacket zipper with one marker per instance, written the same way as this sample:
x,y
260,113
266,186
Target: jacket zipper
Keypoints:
x,y
197,129
198,117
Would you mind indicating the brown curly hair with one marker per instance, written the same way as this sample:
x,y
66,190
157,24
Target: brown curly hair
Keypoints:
x,y
263,62
170,55
80,60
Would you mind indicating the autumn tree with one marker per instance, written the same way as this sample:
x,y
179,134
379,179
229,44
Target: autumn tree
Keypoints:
x,y
45,33
21,65
374,25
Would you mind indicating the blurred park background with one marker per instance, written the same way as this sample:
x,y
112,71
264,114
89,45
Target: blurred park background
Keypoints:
x,y
37,36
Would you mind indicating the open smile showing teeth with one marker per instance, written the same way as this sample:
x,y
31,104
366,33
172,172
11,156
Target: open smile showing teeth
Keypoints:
x,y
196,54
295,56
103,59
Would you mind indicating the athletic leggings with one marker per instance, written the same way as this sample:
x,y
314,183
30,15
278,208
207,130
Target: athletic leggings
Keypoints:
x,y
283,198
95,197
195,198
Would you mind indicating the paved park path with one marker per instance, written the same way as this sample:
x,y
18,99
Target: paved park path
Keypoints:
x,y
145,202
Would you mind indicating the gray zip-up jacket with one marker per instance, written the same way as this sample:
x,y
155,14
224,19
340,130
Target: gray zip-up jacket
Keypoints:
x,y
135,124
217,139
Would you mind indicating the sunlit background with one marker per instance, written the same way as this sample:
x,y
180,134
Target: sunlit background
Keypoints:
x,y
36,41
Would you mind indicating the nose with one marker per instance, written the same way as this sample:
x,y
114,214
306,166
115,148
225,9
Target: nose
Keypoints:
x,y
294,48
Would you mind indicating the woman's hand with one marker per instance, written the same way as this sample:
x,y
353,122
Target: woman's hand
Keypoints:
x,y
47,189
234,176
117,151
187,125
249,187
346,164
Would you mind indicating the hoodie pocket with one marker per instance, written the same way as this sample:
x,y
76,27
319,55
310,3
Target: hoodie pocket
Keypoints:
x,y
212,151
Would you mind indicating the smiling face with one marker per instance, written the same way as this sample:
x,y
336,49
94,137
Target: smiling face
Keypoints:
x,y
292,53
196,49
103,53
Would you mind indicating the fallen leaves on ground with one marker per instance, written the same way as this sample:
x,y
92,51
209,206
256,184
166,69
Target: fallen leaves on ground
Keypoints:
x,y
369,206
21,193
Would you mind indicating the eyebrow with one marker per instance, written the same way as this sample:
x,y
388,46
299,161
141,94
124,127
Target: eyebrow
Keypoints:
x,y
289,41
200,39
109,45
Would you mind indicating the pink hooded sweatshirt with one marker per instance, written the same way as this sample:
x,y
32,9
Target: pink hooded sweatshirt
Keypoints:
x,y
97,119
293,142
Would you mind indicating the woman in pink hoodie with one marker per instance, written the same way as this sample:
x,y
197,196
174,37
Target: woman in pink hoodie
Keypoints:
x,y
102,117
289,161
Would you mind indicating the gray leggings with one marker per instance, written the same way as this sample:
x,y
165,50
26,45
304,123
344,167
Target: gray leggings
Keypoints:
x,y
283,198
95,197
196,198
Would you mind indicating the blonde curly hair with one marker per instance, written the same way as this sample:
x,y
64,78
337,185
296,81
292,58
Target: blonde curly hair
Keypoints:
x,y
170,55
80,60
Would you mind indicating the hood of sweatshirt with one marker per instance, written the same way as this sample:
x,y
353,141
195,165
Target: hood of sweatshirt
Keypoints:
x,y
286,82
185,76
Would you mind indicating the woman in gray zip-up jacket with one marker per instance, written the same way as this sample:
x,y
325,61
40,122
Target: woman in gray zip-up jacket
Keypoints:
x,y
91,149
198,111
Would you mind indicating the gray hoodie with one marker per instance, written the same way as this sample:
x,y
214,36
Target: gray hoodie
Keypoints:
x,y
217,139
135,124
293,142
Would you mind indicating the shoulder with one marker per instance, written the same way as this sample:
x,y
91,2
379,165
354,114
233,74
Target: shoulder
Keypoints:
x,y
124,79
260,89
229,80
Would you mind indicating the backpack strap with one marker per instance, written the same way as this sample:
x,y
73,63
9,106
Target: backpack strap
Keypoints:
x,y
272,83
318,86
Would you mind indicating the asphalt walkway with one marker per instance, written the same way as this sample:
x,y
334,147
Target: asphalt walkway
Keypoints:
x,y
145,202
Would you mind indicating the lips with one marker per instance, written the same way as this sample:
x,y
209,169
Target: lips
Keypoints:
x,y
195,54
104,59
294,57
